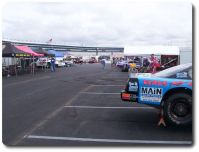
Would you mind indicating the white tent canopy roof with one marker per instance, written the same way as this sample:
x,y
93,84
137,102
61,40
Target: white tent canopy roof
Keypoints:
x,y
147,50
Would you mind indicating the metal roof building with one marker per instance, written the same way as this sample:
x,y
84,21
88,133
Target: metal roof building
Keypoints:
x,y
65,48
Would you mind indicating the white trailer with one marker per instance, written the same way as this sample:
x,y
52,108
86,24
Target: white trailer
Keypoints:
x,y
185,55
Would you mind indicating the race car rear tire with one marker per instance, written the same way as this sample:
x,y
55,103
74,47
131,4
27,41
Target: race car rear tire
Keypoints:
x,y
178,109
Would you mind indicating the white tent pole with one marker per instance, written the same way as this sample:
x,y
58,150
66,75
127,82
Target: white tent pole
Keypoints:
x,y
15,65
33,70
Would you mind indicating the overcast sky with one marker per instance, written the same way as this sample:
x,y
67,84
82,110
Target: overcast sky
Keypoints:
x,y
99,23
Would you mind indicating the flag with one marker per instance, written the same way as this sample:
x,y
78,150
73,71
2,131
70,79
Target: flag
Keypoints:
x,y
49,41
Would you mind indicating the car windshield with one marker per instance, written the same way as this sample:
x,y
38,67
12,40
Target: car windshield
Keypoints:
x,y
173,70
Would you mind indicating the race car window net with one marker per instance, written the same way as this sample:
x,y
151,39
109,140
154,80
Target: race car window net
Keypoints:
x,y
172,71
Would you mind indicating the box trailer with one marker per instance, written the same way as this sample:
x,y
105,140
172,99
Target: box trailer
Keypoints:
x,y
185,56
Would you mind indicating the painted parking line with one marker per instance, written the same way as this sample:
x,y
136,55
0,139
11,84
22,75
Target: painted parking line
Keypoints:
x,y
112,80
48,117
107,85
116,77
109,140
26,81
99,93
100,107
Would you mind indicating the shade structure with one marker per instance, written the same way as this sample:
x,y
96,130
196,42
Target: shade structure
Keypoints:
x,y
39,50
57,53
28,50
66,53
11,50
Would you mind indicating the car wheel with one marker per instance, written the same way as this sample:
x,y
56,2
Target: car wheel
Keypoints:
x,y
178,109
123,68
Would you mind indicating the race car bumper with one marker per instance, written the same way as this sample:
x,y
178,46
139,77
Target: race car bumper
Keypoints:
x,y
125,96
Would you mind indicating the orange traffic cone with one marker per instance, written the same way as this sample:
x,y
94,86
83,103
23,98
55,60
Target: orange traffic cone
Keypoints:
x,y
161,121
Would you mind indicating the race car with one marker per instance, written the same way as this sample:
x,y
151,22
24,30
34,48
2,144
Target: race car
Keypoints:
x,y
121,64
126,66
169,90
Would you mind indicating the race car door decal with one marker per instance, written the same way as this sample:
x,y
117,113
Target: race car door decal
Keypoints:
x,y
150,94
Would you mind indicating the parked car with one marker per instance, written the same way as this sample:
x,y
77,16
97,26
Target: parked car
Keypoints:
x,y
68,63
170,89
92,61
59,62
41,62
78,61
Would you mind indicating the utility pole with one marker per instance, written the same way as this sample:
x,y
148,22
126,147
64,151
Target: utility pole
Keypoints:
x,y
96,51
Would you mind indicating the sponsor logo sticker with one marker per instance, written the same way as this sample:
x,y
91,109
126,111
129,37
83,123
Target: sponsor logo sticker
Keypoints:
x,y
151,94
182,75
133,86
155,82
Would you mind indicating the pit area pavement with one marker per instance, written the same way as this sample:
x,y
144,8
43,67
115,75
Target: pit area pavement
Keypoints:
x,y
95,115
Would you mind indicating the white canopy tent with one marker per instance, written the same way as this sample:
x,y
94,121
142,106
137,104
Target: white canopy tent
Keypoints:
x,y
147,50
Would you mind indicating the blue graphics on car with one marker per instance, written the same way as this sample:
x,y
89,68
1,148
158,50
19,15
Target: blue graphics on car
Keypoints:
x,y
170,89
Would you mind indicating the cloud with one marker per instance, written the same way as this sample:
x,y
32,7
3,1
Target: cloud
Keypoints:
x,y
99,23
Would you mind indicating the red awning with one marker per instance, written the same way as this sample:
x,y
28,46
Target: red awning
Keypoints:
x,y
28,50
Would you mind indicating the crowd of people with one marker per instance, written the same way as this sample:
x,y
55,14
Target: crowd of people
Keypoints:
x,y
134,64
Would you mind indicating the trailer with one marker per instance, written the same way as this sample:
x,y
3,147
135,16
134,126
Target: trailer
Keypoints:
x,y
185,55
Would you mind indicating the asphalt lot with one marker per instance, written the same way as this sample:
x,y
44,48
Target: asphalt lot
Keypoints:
x,y
80,106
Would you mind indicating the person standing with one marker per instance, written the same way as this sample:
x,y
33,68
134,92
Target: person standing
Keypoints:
x,y
103,62
113,62
132,69
145,65
154,63
52,62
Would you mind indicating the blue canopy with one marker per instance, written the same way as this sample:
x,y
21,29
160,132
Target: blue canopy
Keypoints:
x,y
57,53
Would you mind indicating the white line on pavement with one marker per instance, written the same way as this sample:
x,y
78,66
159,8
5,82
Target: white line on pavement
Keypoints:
x,y
110,140
98,93
26,81
107,85
100,107
116,77
112,79
48,117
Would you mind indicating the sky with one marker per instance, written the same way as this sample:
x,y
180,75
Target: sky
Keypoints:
x,y
99,23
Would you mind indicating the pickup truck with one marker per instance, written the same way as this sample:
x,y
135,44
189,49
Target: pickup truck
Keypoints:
x,y
42,62
59,62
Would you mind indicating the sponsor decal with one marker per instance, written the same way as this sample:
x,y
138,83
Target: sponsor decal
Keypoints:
x,y
21,55
177,83
190,84
151,94
155,82
133,86
182,75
